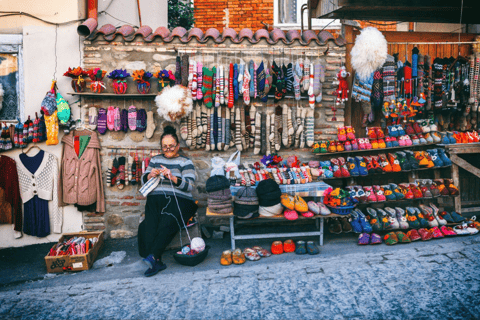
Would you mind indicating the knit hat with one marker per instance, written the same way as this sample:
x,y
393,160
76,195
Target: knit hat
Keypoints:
x,y
63,109
216,183
141,120
271,210
49,104
268,193
220,195
246,203
102,121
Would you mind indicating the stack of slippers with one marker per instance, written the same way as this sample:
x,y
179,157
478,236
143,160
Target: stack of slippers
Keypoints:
x,y
256,253
236,257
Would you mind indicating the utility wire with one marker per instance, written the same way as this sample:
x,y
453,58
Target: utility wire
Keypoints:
x,y
20,13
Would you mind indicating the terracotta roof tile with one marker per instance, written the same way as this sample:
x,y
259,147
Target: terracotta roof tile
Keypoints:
x,y
108,32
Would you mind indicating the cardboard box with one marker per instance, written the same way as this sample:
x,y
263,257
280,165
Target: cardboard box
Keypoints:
x,y
77,262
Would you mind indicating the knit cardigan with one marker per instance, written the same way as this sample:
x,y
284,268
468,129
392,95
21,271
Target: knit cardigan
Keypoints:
x,y
43,183
9,183
81,177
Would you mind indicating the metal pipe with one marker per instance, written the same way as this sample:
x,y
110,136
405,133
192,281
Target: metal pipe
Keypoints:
x,y
309,4
139,14
302,9
86,28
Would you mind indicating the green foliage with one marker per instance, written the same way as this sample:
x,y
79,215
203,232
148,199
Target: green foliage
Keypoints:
x,y
180,14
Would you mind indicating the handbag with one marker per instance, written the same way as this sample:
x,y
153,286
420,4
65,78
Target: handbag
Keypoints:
x,y
218,167
231,167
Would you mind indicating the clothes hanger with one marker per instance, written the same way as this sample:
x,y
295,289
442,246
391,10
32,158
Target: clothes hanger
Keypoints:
x,y
30,148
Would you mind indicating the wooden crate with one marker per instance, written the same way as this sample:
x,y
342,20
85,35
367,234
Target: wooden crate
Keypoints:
x,y
77,262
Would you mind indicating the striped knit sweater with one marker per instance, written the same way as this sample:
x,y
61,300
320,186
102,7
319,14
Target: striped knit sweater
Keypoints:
x,y
181,167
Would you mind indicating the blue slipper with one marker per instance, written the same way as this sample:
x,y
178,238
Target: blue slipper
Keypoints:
x,y
456,217
355,223
157,267
300,248
312,248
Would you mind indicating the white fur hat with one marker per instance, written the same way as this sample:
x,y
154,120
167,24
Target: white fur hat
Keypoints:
x,y
174,103
369,52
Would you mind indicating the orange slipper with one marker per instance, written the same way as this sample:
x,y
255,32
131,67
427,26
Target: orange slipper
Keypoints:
x,y
300,205
238,257
288,246
287,201
277,247
226,258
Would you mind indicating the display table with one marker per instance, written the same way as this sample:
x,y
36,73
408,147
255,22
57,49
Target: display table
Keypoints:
x,y
319,223
313,189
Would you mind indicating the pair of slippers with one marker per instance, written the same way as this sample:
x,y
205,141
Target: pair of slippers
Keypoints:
x,y
308,247
115,119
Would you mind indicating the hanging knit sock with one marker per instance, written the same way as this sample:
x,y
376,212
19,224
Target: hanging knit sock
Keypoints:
x,y
128,170
232,128
222,85
273,133
284,125
212,129
257,142
208,142
185,66
230,87
289,127
251,71
316,78
429,75
303,124
151,125
309,120
133,179
121,173
254,79
278,128
124,120
188,140
194,80
190,75
252,119
219,128
52,129
246,87
132,118
141,120
268,82
110,118
241,70
306,75
243,130
198,113
261,83
224,129
114,173
109,172
217,88
227,88
199,141
178,70
195,132
420,74
207,87
289,79
238,133
265,134
203,118
138,172
228,135
199,81
311,95
235,81
296,81
214,84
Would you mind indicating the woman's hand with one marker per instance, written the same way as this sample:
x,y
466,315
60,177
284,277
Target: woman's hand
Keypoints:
x,y
168,174
154,173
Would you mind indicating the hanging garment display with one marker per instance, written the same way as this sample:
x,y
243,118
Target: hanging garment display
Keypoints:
x,y
10,209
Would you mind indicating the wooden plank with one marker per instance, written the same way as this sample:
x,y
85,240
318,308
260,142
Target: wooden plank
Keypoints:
x,y
464,165
456,180
463,148
473,209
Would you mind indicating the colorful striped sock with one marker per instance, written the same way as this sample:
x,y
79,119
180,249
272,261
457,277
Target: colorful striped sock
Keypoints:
x,y
230,87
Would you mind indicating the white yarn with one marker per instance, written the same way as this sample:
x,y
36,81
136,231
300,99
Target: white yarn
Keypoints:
x,y
174,103
369,52
1,96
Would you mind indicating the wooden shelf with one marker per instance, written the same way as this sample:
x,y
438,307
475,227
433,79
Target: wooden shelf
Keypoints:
x,y
399,202
379,150
384,173
114,95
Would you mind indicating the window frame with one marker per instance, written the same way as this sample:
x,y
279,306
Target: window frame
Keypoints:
x,y
316,23
13,43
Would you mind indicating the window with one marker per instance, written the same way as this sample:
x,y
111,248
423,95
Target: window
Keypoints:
x,y
287,15
11,77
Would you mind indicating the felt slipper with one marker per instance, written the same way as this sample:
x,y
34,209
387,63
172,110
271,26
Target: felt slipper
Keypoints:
x,y
413,235
238,257
141,120
132,118
447,231
364,239
111,118
437,234
226,258
288,246
124,120
375,239
390,239
402,237
425,234
307,214
251,254
277,247
301,248
261,251
312,248
287,201
92,118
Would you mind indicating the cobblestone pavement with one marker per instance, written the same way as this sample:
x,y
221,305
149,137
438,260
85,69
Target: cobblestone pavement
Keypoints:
x,y
434,281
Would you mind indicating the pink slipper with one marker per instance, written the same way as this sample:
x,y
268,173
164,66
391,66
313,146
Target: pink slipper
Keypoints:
x,y
116,119
111,118
308,214
132,118
290,214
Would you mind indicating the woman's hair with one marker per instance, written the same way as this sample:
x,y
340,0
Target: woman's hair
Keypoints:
x,y
169,131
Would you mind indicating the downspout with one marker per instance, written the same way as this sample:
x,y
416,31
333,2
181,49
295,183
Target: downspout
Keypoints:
x,y
87,27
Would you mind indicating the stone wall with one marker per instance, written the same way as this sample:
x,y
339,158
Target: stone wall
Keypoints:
x,y
125,207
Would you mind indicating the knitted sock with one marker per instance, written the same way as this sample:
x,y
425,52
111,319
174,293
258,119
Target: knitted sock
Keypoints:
x,y
25,132
52,129
257,143
268,82
289,78
141,120
263,132
251,119
228,135
121,173
214,84
109,172
133,179
102,121
246,87
296,81
212,129
194,80
285,125
190,75
224,131
235,81
219,128
251,68
311,95
226,90
188,140
222,85
208,141
254,79
377,90
199,141
273,133
197,122
238,133
199,81
151,125
111,118
194,130
114,172
420,74
231,95
289,127
217,88
316,79
132,118
261,83
207,87
128,170
303,123
185,67
241,70
428,67
92,118
124,120
203,116
278,127
178,70
232,128
306,75
243,130
309,120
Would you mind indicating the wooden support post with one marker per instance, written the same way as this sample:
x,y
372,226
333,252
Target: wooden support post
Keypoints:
x,y
465,165
456,181
349,38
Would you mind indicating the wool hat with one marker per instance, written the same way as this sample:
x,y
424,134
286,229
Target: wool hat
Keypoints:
x,y
268,193
216,183
220,195
271,210
246,203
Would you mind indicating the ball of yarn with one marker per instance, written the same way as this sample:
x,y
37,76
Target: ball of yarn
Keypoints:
x,y
198,244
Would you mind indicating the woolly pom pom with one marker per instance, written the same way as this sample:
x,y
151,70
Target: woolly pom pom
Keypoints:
x,y
174,103
369,52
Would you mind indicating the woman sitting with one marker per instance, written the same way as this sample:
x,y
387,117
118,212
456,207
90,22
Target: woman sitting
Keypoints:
x,y
168,203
